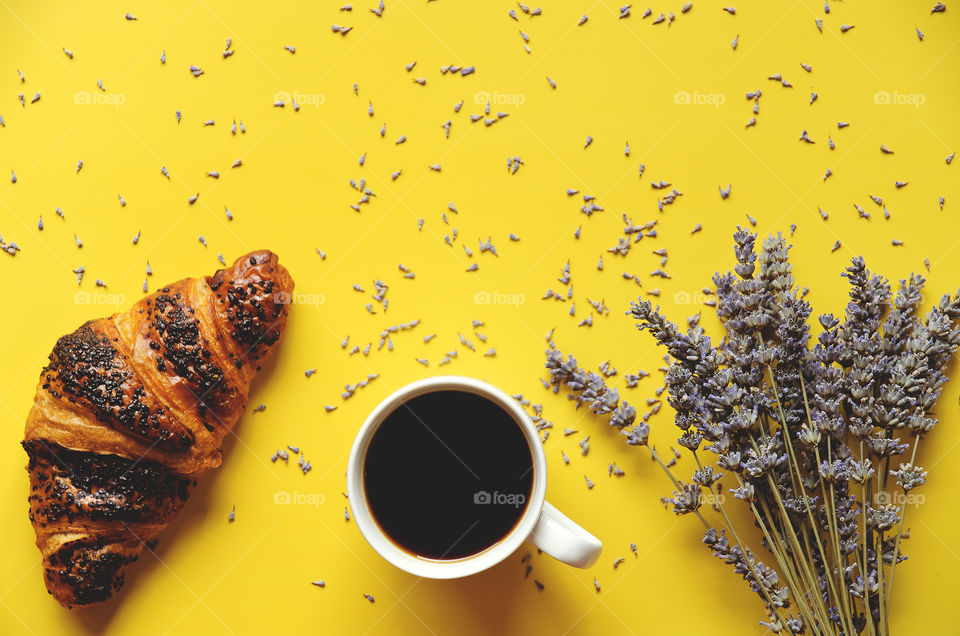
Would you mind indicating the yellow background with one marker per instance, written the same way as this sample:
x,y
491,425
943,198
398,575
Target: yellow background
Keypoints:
x,y
616,80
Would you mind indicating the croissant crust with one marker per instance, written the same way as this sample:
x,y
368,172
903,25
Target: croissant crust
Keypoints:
x,y
131,411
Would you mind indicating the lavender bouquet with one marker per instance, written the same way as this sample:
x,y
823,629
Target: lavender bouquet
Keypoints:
x,y
820,441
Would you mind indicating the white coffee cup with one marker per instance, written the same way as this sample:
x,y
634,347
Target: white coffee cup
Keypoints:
x,y
541,523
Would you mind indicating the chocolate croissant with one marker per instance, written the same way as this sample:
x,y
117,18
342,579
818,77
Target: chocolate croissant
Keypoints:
x,y
131,410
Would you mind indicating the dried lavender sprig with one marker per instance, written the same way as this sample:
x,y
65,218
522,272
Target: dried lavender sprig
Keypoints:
x,y
903,371
724,433
867,310
589,388
763,580
826,401
785,315
623,415
789,348
878,373
945,339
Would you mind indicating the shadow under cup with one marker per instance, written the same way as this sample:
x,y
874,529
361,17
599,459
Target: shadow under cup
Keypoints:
x,y
448,474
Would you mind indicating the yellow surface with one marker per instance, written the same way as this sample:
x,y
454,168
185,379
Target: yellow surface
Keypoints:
x,y
616,80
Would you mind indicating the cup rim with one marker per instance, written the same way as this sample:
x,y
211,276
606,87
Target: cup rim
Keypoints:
x,y
454,568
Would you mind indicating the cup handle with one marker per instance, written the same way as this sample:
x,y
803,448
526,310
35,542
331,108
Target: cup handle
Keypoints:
x,y
564,540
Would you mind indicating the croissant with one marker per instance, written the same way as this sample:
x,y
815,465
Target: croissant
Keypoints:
x,y
132,409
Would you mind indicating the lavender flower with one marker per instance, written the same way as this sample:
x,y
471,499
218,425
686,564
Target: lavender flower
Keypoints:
x,y
806,427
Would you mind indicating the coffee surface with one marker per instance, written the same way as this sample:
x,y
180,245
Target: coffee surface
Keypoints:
x,y
448,474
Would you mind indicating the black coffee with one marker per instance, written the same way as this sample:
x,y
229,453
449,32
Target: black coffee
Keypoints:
x,y
448,474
